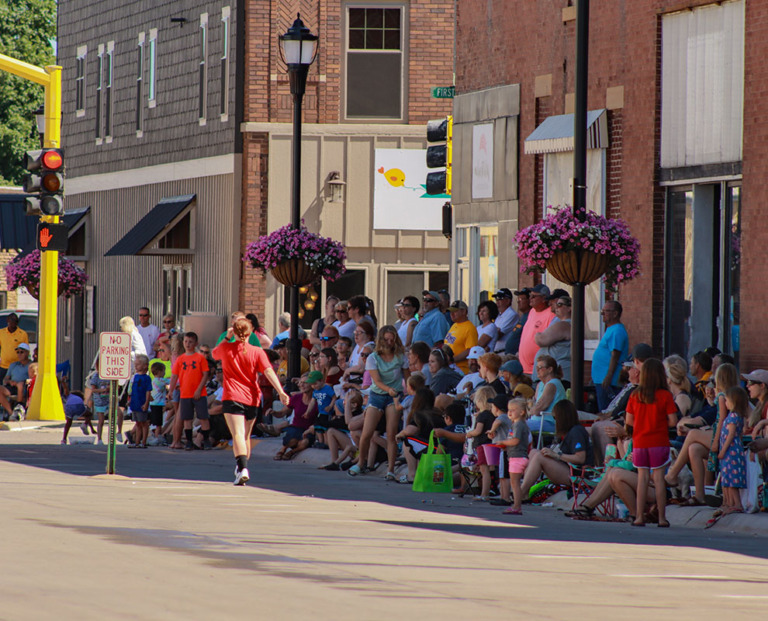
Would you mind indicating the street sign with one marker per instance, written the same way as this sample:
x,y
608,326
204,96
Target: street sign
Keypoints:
x,y
443,92
115,356
52,237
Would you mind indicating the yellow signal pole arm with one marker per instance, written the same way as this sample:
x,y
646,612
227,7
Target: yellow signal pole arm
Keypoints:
x,y
46,398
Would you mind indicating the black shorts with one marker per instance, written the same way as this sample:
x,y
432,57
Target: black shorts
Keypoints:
x,y
189,407
235,407
156,415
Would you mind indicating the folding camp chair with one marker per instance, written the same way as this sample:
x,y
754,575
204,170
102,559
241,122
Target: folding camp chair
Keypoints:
x,y
583,483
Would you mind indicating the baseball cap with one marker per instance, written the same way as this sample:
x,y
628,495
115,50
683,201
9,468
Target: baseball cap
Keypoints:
x,y
279,345
557,294
22,346
523,291
501,401
642,351
758,375
503,293
512,366
458,305
434,294
475,353
314,376
541,289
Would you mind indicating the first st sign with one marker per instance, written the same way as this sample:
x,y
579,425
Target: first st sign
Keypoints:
x,y
114,356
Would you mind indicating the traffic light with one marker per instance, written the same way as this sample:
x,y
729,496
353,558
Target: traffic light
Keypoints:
x,y
440,155
45,182
52,237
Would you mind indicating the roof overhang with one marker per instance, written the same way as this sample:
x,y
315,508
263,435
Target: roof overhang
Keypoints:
x,y
555,134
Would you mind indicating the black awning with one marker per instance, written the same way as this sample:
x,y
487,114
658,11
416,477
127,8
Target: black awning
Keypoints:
x,y
72,217
156,223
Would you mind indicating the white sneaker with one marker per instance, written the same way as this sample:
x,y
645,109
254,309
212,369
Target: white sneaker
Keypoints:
x,y
241,478
119,438
84,429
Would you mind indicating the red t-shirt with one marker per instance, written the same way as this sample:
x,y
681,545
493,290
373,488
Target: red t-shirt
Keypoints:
x,y
241,369
651,426
190,368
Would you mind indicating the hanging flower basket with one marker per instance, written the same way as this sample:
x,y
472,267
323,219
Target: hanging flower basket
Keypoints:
x,y
294,272
24,271
579,250
296,256
577,266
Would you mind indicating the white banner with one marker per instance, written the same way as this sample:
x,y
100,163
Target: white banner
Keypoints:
x,y
400,199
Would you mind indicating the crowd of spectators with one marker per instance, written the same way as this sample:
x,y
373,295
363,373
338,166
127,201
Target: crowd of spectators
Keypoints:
x,y
494,391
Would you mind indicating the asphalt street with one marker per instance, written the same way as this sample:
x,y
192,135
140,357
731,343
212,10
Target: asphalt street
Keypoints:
x,y
171,537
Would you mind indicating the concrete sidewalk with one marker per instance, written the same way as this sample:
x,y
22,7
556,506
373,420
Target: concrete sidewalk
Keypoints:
x,y
679,517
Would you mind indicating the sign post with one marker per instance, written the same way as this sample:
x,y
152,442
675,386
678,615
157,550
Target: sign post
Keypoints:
x,y
115,366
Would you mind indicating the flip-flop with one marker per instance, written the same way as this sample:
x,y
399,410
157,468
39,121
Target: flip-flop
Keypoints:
x,y
664,524
511,511
712,521
638,524
278,457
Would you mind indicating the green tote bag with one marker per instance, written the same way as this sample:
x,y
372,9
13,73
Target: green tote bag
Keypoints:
x,y
434,471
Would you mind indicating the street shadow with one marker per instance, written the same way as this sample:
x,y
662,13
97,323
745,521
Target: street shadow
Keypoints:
x,y
305,479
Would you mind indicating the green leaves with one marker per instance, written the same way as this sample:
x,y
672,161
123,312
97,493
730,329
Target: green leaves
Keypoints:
x,y
27,30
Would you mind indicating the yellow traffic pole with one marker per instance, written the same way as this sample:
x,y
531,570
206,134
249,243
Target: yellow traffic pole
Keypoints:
x,y
46,398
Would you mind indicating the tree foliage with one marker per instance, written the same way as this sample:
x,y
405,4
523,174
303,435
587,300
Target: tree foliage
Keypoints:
x,y
27,32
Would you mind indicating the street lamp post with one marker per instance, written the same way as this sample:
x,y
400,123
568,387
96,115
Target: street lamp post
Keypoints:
x,y
298,48
579,194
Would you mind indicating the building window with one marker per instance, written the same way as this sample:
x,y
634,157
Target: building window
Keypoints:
x,y
80,80
177,290
140,86
99,93
152,86
374,63
109,67
224,101
202,94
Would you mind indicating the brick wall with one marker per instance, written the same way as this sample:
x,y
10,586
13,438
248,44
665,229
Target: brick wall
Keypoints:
x,y
497,44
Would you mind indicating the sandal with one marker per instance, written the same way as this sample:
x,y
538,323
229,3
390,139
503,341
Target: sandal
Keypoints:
x,y
693,502
278,457
404,480
512,511
581,511
663,524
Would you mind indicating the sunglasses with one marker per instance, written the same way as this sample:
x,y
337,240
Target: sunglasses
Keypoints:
x,y
341,310
328,338
429,300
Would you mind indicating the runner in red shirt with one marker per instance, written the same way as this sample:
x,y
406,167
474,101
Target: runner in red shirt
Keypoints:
x,y
241,398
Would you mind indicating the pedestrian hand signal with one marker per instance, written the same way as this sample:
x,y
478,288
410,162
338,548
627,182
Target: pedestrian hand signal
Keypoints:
x,y
52,237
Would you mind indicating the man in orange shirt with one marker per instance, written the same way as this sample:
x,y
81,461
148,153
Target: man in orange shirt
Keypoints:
x,y
539,318
191,372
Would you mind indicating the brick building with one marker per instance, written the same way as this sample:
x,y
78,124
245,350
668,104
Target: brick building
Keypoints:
x,y
176,125
673,86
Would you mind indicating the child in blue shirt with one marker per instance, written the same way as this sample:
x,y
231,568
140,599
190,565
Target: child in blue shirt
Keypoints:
x,y
100,401
141,396
325,397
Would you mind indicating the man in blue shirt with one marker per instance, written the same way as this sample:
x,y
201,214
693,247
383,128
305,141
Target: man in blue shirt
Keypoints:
x,y
611,352
432,326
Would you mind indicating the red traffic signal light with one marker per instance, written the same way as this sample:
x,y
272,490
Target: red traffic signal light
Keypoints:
x,y
46,180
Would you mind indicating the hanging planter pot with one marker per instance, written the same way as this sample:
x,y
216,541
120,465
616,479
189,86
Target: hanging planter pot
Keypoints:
x,y
294,272
577,266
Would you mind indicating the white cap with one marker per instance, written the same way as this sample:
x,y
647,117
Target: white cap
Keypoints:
x,y
475,353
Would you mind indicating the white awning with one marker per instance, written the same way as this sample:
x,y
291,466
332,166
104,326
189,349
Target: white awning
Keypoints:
x,y
555,134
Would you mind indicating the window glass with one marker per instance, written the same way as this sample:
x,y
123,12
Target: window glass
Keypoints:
x,y
374,63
